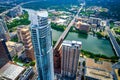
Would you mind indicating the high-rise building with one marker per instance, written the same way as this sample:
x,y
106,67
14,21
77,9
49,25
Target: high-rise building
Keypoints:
x,y
69,58
4,53
4,34
24,36
42,42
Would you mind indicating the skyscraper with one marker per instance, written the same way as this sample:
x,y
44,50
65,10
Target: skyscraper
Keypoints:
x,y
24,36
69,60
42,43
4,53
4,34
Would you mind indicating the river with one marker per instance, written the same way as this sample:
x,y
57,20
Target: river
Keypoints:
x,y
89,43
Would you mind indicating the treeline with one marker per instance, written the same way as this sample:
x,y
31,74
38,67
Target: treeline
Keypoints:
x,y
58,27
63,27
98,56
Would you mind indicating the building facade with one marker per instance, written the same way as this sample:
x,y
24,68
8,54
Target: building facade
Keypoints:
x,y
42,43
70,57
24,36
4,53
83,27
4,34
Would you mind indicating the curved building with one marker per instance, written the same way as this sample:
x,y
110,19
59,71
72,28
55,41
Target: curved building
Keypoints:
x,y
42,42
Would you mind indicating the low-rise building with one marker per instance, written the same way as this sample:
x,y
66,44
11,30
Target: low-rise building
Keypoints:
x,y
93,20
11,72
98,70
117,23
82,26
12,51
27,74
15,12
17,47
60,21
64,17
103,23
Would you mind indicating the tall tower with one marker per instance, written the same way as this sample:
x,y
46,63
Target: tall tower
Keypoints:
x,y
42,43
4,53
4,34
69,60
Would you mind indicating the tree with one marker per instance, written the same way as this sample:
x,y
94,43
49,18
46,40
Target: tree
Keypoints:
x,y
32,63
99,35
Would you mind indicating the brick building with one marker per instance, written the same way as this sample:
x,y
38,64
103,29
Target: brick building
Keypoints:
x,y
25,37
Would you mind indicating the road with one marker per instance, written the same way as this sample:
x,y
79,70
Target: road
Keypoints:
x,y
114,42
62,37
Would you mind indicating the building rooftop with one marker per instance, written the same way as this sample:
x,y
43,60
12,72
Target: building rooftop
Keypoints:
x,y
70,43
10,49
42,13
10,43
23,28
60,21
11,71
95,18
64,16
117,22
103,65
79,22
98,74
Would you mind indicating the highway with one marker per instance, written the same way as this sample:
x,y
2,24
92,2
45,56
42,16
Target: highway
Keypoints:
x,y
62,37
114,43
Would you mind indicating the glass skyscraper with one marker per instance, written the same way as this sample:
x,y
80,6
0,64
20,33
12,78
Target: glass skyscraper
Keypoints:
x,y
42,43
4,33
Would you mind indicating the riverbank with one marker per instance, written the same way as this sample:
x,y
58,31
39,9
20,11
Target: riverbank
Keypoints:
x,y
96,56
58,27
63,27
99,56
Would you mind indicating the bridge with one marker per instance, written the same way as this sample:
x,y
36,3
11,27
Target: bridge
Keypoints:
x,y
114,43
62,37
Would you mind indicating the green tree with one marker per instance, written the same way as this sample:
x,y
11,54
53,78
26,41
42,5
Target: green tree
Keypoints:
x,y
32,63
